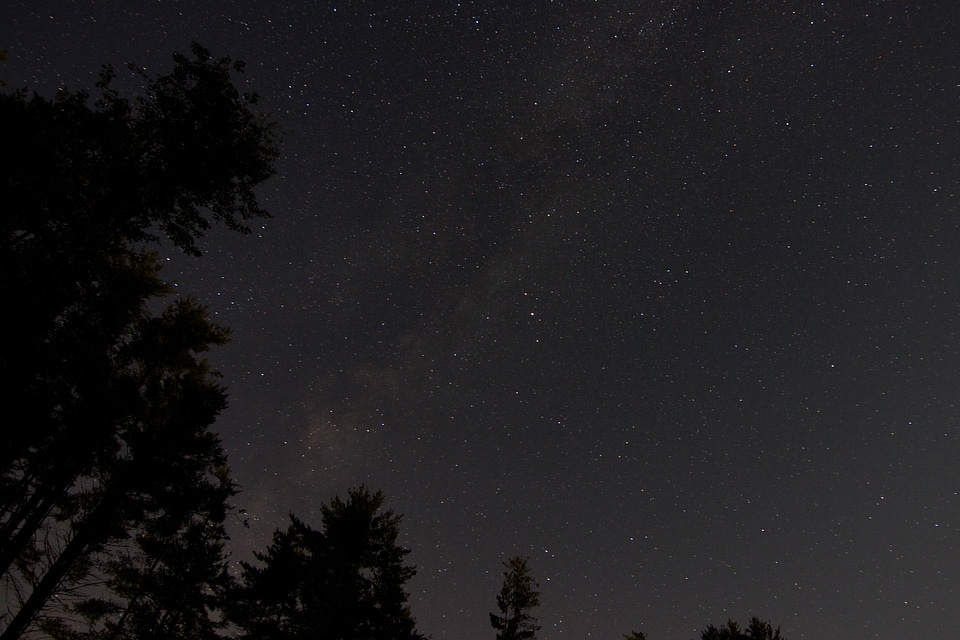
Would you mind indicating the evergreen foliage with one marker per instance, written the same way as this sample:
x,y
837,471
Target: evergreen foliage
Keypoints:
x,y
517,598
756,630
344,581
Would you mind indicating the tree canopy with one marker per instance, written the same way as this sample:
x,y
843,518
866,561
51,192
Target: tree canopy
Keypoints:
x,y
107,461
344,581
756,630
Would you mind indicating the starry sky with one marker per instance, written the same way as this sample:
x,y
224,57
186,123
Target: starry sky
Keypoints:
x,y
662,295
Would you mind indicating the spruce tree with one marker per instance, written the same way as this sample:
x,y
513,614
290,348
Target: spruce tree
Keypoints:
x,y
517,598
344,581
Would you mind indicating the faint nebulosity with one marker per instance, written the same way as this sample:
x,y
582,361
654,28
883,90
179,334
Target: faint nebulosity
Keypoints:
x,y
662,295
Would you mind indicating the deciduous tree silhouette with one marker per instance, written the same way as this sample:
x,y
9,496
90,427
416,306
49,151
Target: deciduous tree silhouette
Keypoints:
x,y
109,403
517,598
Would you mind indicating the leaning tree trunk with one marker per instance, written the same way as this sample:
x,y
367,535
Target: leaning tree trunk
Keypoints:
x,y
88,535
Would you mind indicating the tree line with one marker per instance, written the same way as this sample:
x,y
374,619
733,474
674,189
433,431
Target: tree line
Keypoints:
x,y
114,490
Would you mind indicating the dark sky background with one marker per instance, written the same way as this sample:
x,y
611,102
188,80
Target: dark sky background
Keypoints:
x,y
663,295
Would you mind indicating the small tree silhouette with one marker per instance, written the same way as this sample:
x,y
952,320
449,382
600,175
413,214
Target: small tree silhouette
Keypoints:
x,y
517,597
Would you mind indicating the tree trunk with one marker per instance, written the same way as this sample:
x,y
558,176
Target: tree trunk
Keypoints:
x,y
87,536
21,526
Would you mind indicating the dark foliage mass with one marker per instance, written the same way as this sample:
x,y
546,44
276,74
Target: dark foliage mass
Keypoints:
x,y
756,630
109,474
344,581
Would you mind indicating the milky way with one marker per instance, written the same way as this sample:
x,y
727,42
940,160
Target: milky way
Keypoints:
x,y
662,295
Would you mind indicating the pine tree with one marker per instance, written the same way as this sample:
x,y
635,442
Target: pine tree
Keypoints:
x,y
517,597
342,582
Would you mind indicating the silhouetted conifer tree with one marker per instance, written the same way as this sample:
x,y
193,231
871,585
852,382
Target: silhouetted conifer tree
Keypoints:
x,y
344,581
757,630
517,598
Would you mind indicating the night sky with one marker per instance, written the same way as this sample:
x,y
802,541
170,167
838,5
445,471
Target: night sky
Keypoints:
x,y
663,295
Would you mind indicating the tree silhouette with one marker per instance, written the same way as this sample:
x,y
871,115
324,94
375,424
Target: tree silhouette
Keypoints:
x,y
165,477
166,579
757,630
342,582
109,402
517,597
